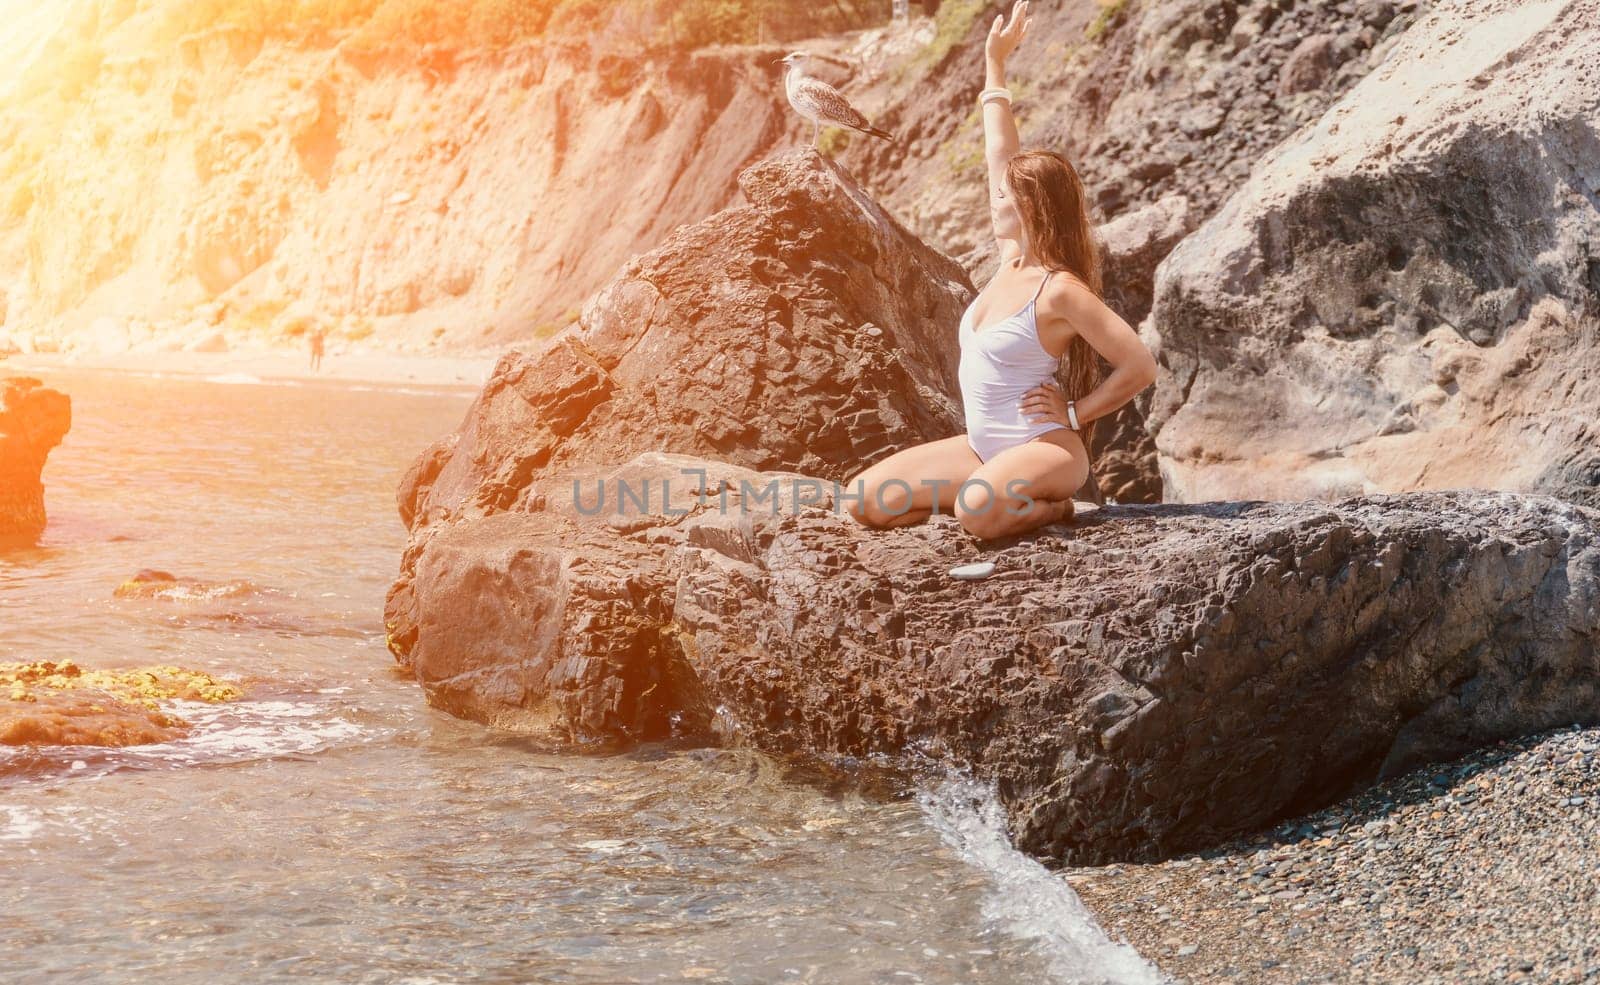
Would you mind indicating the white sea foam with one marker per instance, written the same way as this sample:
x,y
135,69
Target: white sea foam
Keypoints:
x,y
24,824
442,389
1026,900
20,823
234,378
250,730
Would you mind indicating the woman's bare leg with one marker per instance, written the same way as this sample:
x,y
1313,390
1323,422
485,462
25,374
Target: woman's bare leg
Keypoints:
x,y
905,487
1046,470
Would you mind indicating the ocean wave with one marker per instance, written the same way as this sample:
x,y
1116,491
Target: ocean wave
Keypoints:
x,y
1026,900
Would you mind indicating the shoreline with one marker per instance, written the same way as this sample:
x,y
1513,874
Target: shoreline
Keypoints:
x,y
272,366
1481,869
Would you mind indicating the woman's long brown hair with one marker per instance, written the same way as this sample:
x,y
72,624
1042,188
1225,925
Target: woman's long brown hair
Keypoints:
x,y
1055,217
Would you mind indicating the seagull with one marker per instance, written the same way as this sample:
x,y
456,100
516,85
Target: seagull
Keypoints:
x,y
820,102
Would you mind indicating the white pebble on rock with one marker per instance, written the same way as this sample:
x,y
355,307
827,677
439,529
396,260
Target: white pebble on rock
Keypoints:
x,y
972,572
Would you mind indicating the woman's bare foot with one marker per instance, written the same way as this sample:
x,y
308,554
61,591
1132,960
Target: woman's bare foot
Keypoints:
x,y
1055,510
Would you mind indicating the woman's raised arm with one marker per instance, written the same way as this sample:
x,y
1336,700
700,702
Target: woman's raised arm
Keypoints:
x,y
1000,140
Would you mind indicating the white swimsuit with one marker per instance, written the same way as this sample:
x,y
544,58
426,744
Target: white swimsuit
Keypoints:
x,y
999,364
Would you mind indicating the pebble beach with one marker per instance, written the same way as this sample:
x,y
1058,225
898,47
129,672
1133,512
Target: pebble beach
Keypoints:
x,y
1485,869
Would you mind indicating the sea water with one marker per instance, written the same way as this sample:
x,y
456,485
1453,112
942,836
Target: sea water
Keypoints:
x,y
332,827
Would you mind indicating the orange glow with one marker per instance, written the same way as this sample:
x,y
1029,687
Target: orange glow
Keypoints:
x,y
26,24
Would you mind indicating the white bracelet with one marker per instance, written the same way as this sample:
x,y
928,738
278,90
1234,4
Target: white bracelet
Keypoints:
x,y
1072,415
988,95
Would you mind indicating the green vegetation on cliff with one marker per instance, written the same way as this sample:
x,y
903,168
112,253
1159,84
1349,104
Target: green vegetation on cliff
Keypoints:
x,y
1111,15
479,23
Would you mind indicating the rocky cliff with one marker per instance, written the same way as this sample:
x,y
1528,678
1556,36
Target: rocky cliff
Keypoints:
x,y
1407,293
1149,99
1163,106
33,420
417,195
406,197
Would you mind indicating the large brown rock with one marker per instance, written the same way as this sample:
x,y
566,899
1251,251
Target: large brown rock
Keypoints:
x,y
805,330
550,619
33,420
1133,245
1406,294
1150,682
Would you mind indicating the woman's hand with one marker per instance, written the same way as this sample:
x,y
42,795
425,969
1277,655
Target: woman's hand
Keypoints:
x,y
1003,40
1046,402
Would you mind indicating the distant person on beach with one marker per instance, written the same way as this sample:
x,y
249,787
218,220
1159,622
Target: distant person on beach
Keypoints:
x,y
316,346
1025,452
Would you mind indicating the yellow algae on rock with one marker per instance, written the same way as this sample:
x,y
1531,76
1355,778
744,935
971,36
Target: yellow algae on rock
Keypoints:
x,y
60,703
143,685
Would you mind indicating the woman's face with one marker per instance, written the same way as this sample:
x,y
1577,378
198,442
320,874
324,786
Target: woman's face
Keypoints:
x,y
1003,212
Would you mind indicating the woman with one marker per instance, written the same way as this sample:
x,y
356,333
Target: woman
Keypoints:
x,y
1025,451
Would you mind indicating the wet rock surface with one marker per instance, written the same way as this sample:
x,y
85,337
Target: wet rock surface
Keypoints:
x,y
148,583
33,420
1405,294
